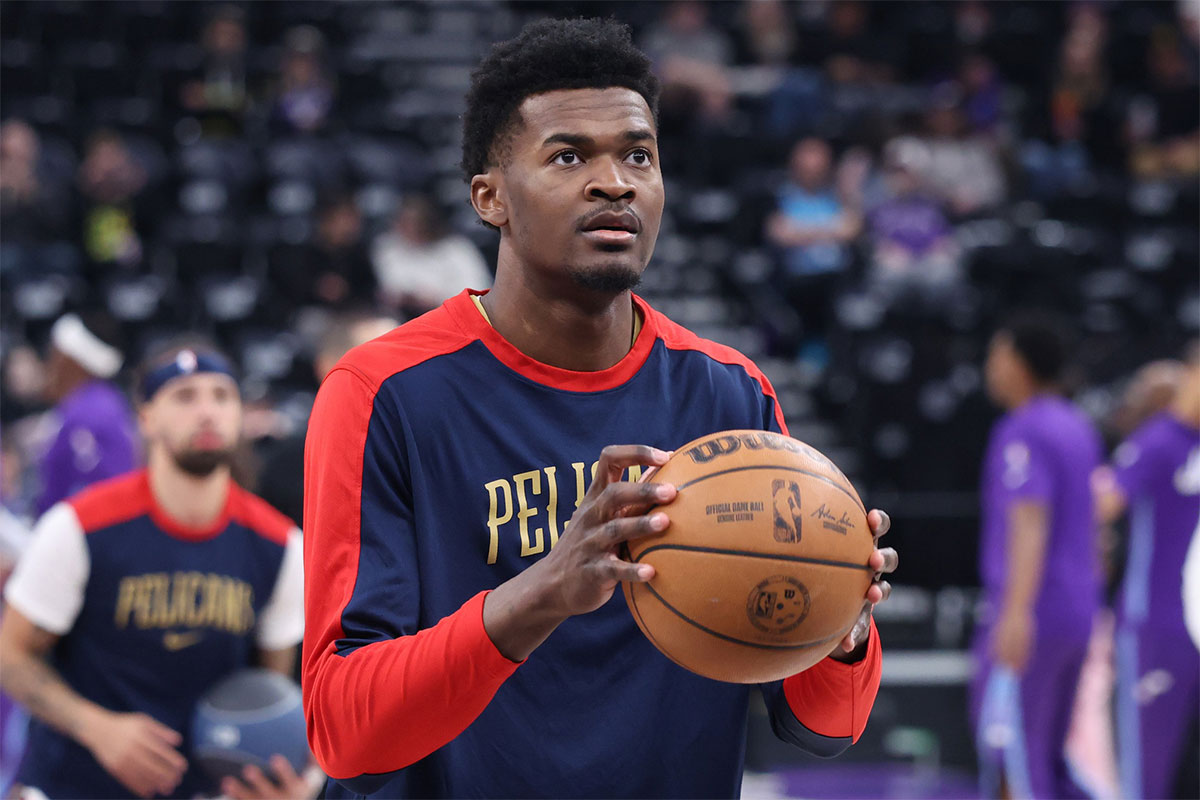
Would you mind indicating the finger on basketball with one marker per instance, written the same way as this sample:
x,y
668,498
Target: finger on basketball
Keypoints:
x,y
623,529
616,458
879,521
633,499
612,568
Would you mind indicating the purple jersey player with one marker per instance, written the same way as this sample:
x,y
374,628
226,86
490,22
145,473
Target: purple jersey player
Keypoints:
x,y
95,430
1039,567
1156,479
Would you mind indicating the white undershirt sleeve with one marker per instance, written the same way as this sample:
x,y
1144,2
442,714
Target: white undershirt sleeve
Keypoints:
x,y
48,583
1191,588
281,623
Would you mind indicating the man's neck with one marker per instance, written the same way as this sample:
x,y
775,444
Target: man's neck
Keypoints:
x,y
188,499
586,332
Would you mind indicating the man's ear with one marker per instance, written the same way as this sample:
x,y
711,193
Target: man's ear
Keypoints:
x,y
488,197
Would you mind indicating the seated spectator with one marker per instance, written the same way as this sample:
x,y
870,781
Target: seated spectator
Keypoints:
x,y
113,186
281,476
982,95
1164,122
419,263
692,58
335,270
812,227
218,94
914,250
34,208
304,95
962,168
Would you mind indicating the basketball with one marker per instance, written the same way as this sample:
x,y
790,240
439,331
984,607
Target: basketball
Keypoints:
x,y
247,718
764,566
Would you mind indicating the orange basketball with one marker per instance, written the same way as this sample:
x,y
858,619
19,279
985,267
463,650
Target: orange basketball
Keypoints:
x,y
764,567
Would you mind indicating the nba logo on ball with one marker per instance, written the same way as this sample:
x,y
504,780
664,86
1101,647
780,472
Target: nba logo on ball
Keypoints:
x,y
244,720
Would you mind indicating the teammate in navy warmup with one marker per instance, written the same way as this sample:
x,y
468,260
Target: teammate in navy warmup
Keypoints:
x,y
463,635
141,592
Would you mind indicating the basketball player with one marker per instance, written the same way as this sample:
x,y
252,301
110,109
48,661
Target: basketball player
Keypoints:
x,y
1039,565
1156,478
463,638
138,594
95,431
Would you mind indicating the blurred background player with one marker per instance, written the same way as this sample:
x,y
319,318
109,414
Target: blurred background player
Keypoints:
x,y
95,436
1155,479
1039,565
140,593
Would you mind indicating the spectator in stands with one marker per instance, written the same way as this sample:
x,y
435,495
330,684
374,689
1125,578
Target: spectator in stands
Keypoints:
x,y
961,167
304,95
218,95
335,271
33,208
113,187
813,227
913,243
850,52
769,36
691,58
419,262
281,477
1063,154
982,94
94,436
1164,123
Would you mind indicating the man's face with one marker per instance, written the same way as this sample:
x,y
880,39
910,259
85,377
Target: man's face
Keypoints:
x,y
579,193
197,419
1003,370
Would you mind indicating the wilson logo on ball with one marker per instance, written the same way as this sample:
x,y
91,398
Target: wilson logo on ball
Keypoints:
x,y
778,604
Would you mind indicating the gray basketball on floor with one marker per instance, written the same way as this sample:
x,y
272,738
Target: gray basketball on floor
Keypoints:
x,y
247,718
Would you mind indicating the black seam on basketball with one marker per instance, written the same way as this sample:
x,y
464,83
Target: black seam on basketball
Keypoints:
x,y
632,603
734,639
810,474
722,551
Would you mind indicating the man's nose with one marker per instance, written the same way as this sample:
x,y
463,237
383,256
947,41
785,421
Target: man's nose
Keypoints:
x,y
608,182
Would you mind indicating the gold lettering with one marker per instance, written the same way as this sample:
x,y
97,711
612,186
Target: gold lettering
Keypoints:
x,y
125,601
210,606
160,600
635,473
552,505
495,519
524,512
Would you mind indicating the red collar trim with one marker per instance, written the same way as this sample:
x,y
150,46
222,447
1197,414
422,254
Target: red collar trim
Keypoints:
x,y
462,308
180,530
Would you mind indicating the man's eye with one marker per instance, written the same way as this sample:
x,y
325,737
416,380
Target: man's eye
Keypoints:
x,y
566,158
640,157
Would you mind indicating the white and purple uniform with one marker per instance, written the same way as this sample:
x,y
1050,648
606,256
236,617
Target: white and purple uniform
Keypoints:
x,y
1158,666
1043,452
95,441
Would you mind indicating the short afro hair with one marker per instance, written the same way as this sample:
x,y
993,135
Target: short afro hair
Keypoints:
x,y
1042,341
548,55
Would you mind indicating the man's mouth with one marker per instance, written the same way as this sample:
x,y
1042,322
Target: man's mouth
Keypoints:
x,y
612,227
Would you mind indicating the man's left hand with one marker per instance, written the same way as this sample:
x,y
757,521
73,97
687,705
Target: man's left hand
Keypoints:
x,y
257,786
853,646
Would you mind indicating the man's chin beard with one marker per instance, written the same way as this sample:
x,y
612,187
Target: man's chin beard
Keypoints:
x,y
611,280
202,463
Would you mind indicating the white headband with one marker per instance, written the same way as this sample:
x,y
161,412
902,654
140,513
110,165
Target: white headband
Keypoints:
x,y
72,338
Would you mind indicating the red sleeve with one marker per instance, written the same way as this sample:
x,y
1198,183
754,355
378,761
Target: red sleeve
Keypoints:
x,y
395,695
835,699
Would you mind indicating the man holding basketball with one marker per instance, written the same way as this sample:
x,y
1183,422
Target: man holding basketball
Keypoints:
x,y
462,635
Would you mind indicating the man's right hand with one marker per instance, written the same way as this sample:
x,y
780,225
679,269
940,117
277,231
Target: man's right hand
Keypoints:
x,y
582,571
137,750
